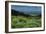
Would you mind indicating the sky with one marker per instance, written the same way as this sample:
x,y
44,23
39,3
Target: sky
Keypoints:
x,y
27,9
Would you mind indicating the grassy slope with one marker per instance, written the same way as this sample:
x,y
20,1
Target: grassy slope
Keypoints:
x,y
25,22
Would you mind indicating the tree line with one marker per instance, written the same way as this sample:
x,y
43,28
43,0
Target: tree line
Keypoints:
x,y
18,13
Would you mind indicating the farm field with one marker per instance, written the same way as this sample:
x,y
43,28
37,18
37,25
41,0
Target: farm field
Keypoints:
x,y
25,22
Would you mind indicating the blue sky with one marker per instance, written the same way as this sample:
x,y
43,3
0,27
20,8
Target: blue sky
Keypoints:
x,y
27,9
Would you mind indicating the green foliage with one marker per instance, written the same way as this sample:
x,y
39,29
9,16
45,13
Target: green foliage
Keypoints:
x,y
25,22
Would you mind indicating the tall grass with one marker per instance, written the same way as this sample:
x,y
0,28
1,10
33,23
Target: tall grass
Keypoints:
x,y
25,22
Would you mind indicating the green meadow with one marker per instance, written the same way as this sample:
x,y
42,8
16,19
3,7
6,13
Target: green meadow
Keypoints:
x,y
25,22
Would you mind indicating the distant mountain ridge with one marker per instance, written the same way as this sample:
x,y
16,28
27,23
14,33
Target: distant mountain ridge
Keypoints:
x,y
14,12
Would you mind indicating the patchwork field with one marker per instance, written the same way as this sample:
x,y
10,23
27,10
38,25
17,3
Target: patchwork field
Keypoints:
x,y
25,22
